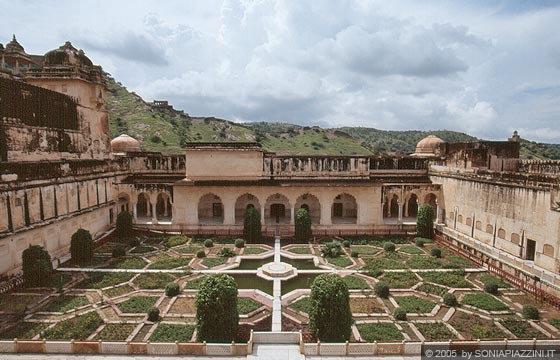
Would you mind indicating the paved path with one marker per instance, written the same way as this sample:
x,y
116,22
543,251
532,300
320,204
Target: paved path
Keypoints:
x,y
277,292
275,352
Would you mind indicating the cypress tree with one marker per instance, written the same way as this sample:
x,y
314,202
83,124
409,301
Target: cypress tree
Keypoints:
x,y
330,318
252,232
425,222
216,309
303,225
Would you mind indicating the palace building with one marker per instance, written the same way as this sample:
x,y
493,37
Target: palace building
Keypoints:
x,y
59,170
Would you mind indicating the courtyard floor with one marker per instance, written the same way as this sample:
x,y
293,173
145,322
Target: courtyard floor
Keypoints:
x,y
108,299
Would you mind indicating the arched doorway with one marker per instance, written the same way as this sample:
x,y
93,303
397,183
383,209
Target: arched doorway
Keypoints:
x,y
310,203
210,210
277,209
395,206
123,203
164,209
431,199
412,206
143,209
344,209
244,202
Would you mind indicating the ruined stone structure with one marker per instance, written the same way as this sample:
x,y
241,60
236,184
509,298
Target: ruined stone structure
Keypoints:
x,y
58,173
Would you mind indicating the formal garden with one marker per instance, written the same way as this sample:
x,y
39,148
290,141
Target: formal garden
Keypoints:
x,y
158,287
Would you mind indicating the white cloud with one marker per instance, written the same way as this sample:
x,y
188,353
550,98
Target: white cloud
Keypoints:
x,y
485,67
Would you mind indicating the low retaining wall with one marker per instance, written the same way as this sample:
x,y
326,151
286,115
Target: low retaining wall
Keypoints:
x,y
123,348
415,348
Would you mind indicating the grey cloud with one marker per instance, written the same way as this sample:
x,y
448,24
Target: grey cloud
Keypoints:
x,y
129,46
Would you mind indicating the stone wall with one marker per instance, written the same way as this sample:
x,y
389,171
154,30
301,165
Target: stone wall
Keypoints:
x,y
501,215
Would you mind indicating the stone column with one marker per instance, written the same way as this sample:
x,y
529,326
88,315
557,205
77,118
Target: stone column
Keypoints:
x,y
292,216
438,214
135,211
326,206
262,216
229,212
400,211
154,212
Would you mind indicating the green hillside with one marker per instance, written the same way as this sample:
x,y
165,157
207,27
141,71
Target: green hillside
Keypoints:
x,y
168,131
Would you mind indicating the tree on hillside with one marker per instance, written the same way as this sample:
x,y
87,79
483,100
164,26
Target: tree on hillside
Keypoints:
x,y
425,222
37,266
81,247
252,232
216,309
303,225
330,318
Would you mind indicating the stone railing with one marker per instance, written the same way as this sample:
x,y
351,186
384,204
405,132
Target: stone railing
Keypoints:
x,y
337,166
11,283
416,348
549,167
123,348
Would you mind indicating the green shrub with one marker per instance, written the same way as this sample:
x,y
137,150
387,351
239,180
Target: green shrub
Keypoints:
x,y
78,328
172,289
226,252
200,254
450,300
175,240
379,332
455,279
330,318
124,225
332,249
208,243
419,242
81,247
381,289
137,304
400,314
252,229
239,243
153,314
484,301
354,254
415,304
491,287
119,251
389,246
530,312
436,252
425,222
172,332
423,262
36,266
400,280
216,309
346,243
302,225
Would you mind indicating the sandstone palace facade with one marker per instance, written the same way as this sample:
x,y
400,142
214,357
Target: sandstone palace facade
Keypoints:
x,y
60,171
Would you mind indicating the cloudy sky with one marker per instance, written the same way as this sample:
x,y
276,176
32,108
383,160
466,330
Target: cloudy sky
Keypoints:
x,y
485,67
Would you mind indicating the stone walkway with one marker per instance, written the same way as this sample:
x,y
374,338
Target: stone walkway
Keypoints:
x,y
277,292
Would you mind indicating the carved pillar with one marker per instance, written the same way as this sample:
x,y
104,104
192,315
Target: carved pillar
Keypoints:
x,y
400,211
438,214
262,215
405,209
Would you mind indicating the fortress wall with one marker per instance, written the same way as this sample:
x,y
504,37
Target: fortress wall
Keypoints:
x,y
505,216
55,237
